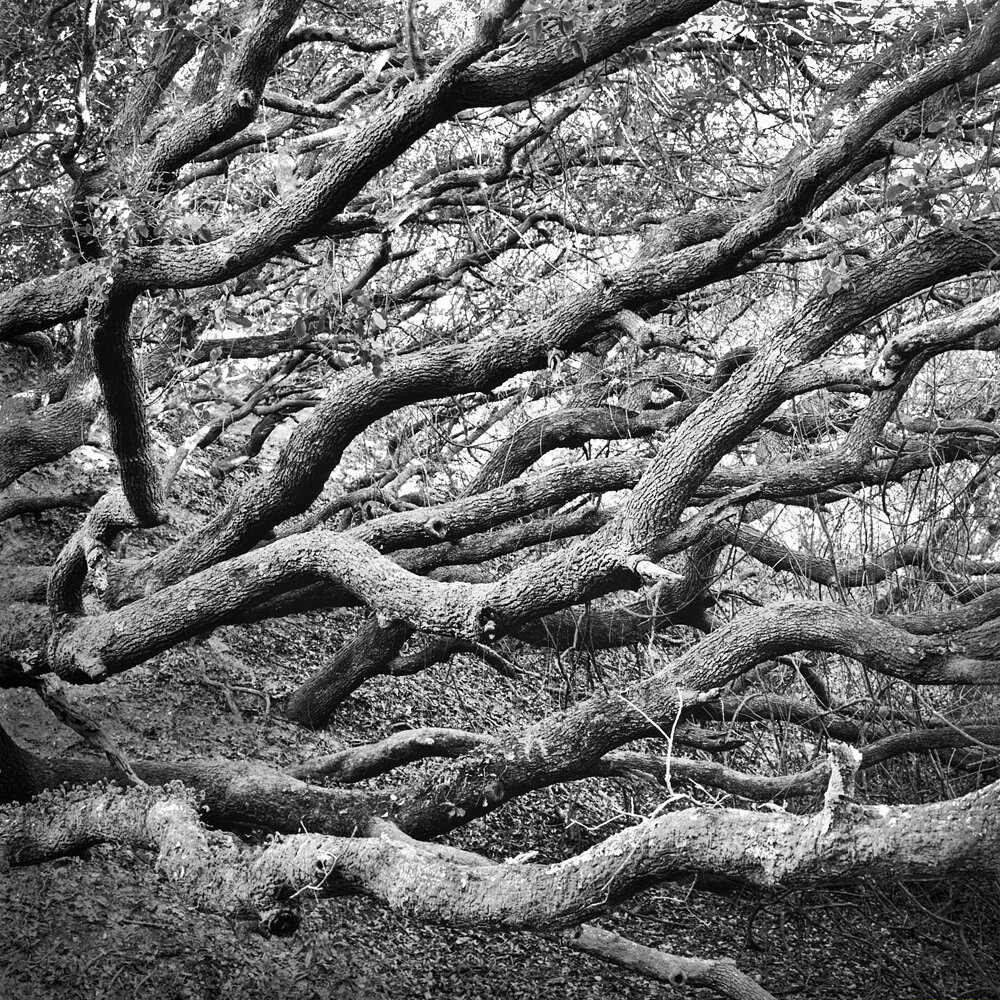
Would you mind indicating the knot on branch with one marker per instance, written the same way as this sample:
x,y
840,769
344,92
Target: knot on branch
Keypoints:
x,y
886,370
493,793
487,623
689,696
437,527
325,862
644,567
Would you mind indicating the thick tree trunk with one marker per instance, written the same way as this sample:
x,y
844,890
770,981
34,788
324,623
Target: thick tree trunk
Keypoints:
x,y
19,776
366,654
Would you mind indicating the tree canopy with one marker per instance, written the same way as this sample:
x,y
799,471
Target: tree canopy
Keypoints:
x,y
660,332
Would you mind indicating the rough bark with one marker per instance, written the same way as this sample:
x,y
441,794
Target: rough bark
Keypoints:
x,y
693,497
843,840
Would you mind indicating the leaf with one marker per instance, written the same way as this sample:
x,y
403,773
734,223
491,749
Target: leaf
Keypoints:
x,y
238,319
379,321
378,64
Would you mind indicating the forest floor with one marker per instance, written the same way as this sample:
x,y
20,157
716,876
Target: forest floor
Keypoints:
x,y
112,927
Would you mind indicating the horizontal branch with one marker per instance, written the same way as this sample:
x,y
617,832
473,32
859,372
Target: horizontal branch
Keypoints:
x,y
843,840
18,505
225,878
90,648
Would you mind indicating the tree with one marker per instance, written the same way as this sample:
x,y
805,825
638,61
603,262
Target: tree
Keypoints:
x,y
739,254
